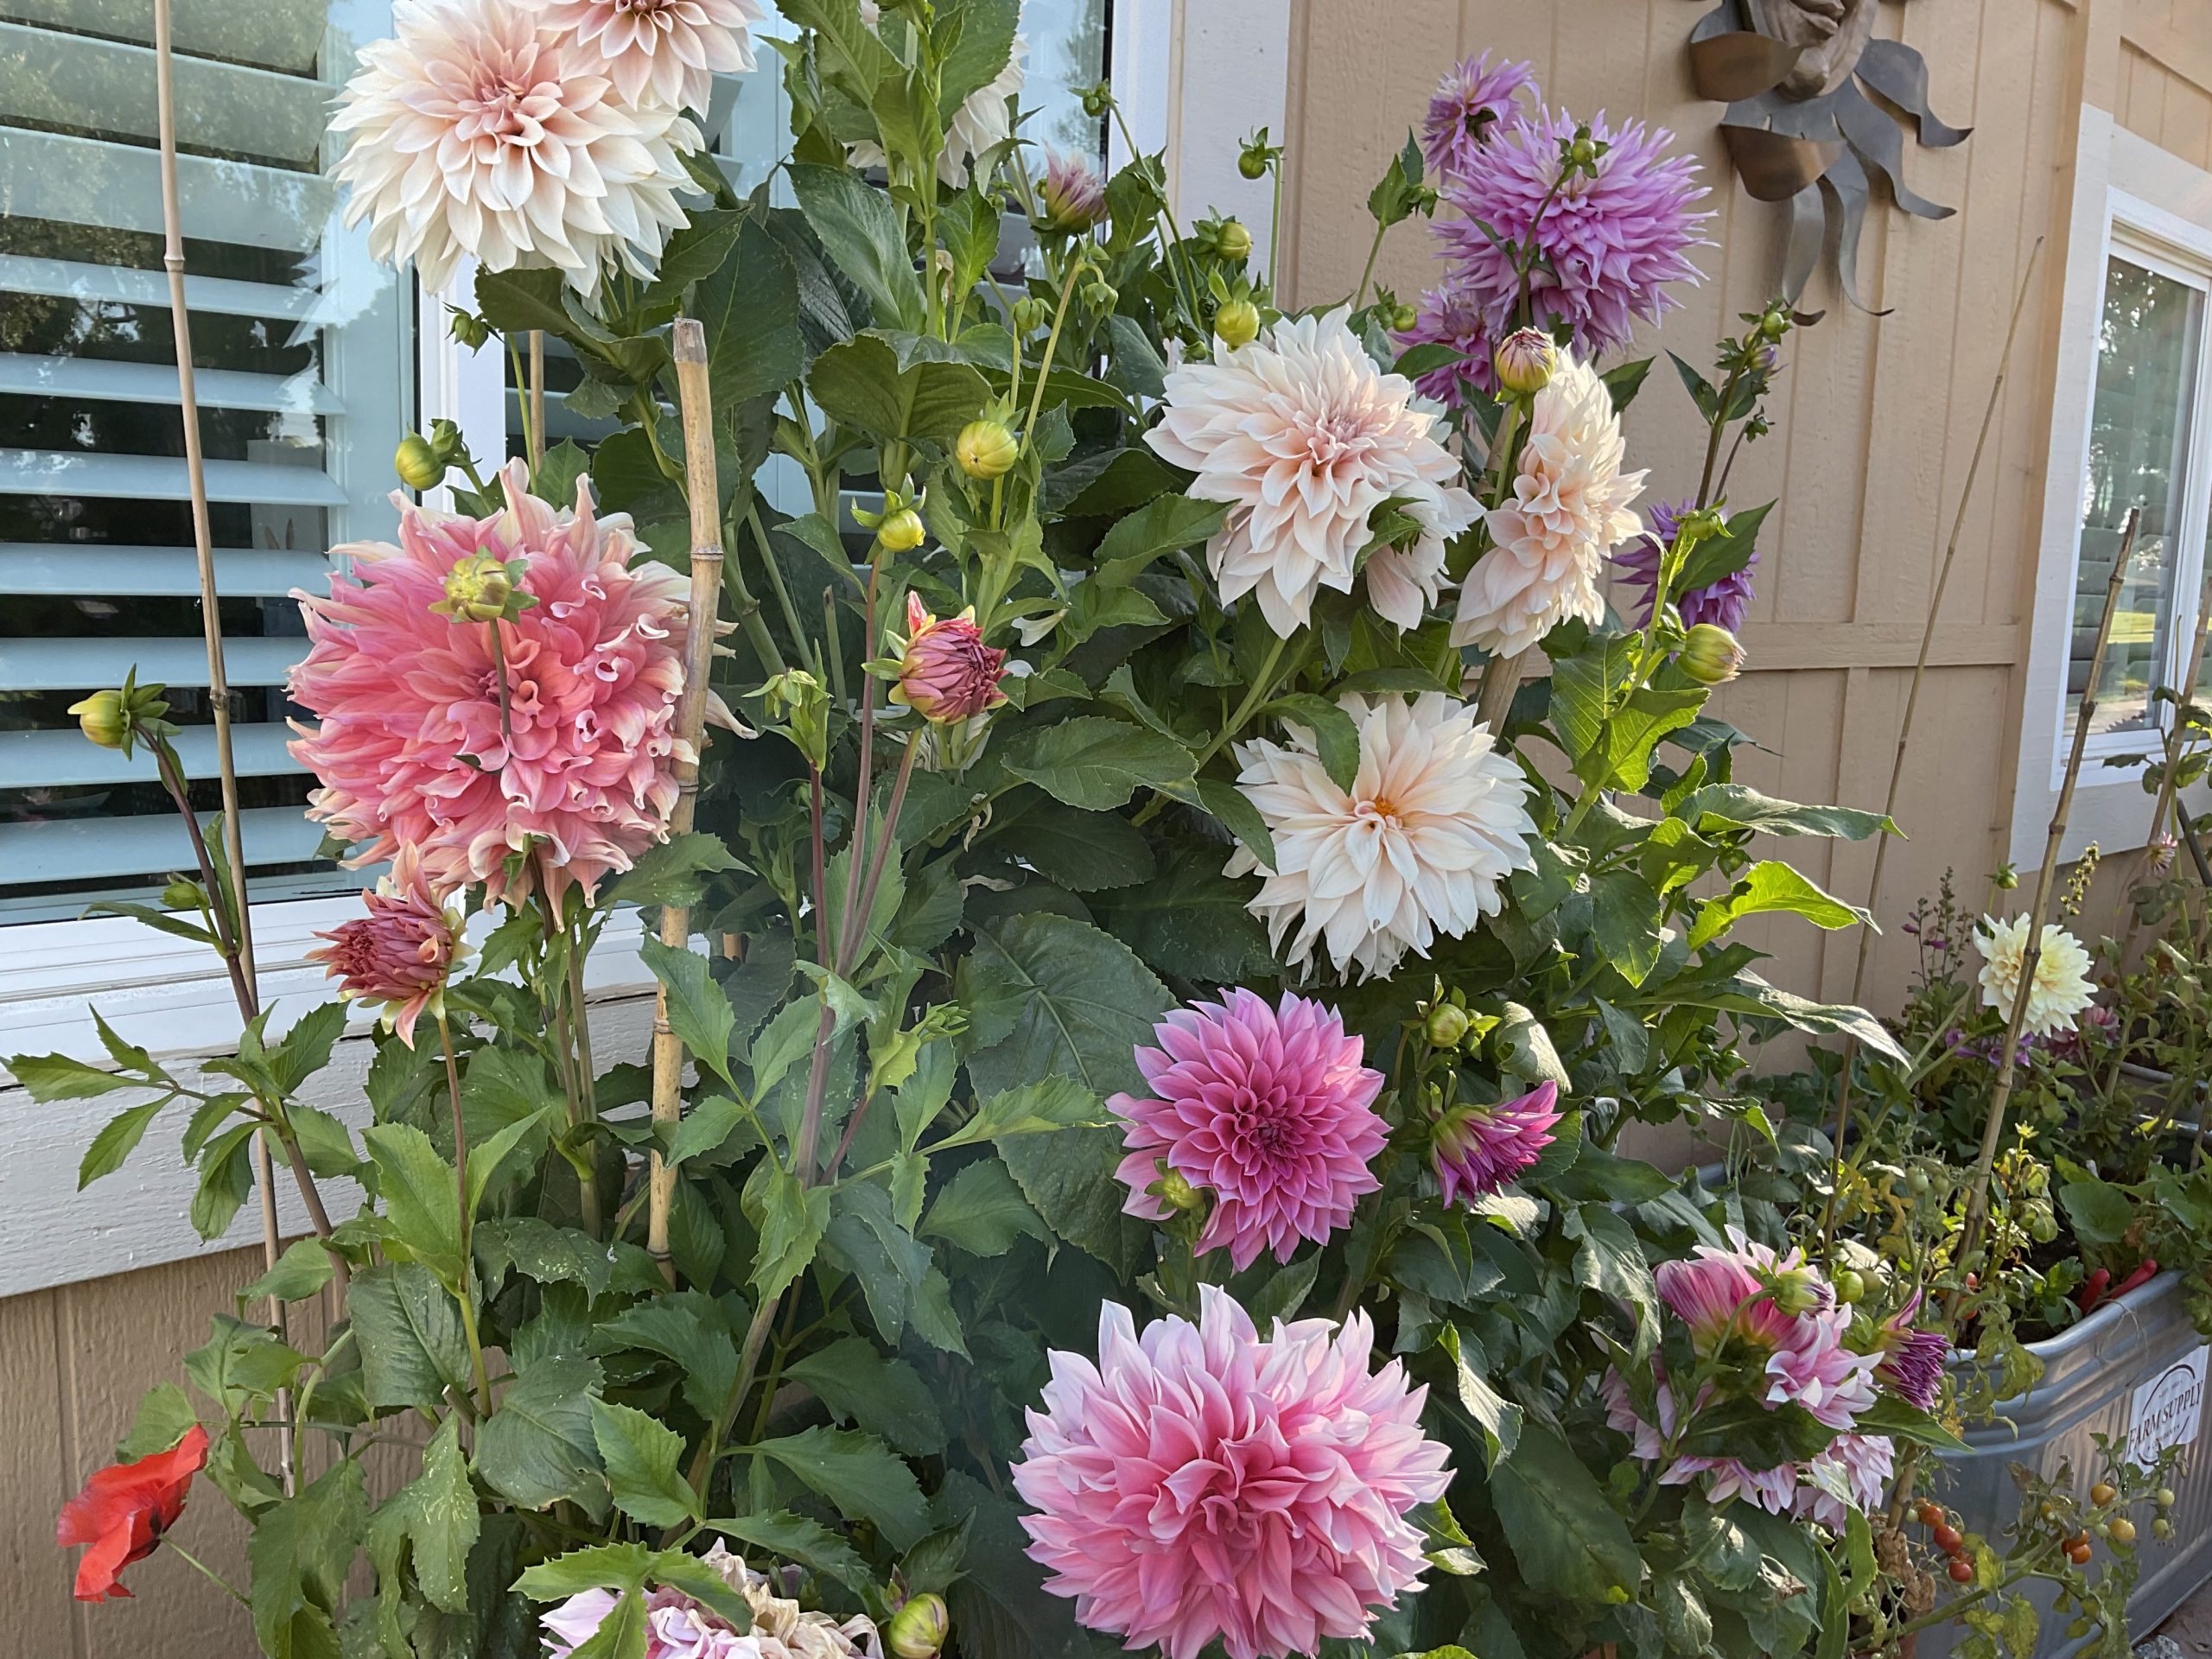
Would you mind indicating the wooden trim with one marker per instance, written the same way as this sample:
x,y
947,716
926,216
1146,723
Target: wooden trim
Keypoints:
x,y
2157,39
1777,648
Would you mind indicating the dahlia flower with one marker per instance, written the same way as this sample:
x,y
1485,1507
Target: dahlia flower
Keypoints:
x,y
945,670
568,777
1070,193
1773,1490
1468,103
1202,1481
1447,317
482,130
2062,988
984,120
1723,603
402,953
1861,1464
670,49
1610,245
1270,1110
678,1627
1434,822
1570,504
1774,1312
1477,1149
1303,437
1911,1361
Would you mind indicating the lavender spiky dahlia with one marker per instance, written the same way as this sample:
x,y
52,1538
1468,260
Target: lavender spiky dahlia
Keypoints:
x,y
1472,98
1723,603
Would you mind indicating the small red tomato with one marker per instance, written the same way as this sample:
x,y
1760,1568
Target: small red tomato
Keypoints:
x,y
1948,1539
2079,1554
1962,1571
1931,1514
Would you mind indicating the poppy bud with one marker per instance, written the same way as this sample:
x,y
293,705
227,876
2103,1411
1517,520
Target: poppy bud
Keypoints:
x,y
1232,241
1525,362
418,463
900,531
918,1629
1710,655
986,449
1237,323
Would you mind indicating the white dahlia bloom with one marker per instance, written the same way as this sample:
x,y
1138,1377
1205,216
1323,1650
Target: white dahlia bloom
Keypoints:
x,y
1304,437
1570,504
985,119
670,49
480,130
2062,988
1433,820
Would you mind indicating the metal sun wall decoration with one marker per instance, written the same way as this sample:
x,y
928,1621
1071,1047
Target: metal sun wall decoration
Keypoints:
x,y
1800,126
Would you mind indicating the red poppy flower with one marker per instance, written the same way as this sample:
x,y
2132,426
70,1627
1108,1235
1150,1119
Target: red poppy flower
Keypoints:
x,y
124,1510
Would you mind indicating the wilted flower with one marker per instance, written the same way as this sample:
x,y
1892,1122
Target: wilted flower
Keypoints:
x,y
402,953
679,1627
1861,1464
1570,504
984,121
1070,193
480,130
1525,361
946,672
1467,105
419,748
2062,988
669,50
1434,820
1911,1361
1267,1109
1200,1481
1477,1149
1303,437
122,1511
1723,603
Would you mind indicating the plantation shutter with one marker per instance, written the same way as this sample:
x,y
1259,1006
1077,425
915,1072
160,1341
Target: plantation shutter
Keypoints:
x,y
304,380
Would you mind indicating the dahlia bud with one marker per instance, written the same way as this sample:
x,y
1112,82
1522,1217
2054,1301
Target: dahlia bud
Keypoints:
x,y
1232,241
471,331
796,699
1100,295
1796,1290
1774,322
919,1629
1402,317
1237,323
1098,100
1176,1192
2004,877
117,719
418,463
1525,361
1583,150
946,672
900,531
1252,160
1071,195
986,449
1447,1025
1710,655
1031,313
479,588
101,718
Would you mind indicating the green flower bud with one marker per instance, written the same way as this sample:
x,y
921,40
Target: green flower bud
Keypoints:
x,y
1097,101
1403,317
796,699
919,1629
101,717
1100,295
1031,313
117,719
1232,241
1850,1286
1237,323
1583,151
1177,1192
900,531
1710,655
1252,162
479,588
2004,877
1447,1025
471,331
1526,360
418,463
986,449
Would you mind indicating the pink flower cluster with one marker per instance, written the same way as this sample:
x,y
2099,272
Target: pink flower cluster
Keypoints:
x,y
534,749
1203,1481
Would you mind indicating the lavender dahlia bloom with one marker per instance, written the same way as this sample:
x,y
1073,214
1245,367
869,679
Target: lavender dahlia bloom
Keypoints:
x,y
1911,1361
1477,1149
1450,315
1474,97
1070,194
1723,603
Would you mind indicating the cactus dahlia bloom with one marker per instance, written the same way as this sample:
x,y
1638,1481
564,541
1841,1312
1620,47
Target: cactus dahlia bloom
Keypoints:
x,y
1569,505
1477,1149
1203,1481
402,953
576,779
1911,1361
1269,1109
1474,97
1434,820
2062,988
983,120
481,131
667,50
1304,437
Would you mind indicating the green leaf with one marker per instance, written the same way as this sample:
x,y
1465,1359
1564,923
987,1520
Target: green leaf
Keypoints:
x,y
1767,886
301,1551
409,1333
673,872
1893,1417
984,45
1162,525
982,1211
164,1417
689,1329
1240,818
305,1048
225,1180
1498,1418
516,301
898,1275
1086,1002
420,1197
488,1159
539,1251
1193,923
443,1520
2100,1211
304,1269
326,1143
1335,733
859,381
1570,1542
1624,380
119,1139
539,1447
885,1396
49,1077
1083,852
1096,763
1609,1260
1625,918
748,306
1717,808
698,1013
795,1538
1743,992
1722,556
642,1456
1070,1180
791,1218
708,1128
860,1475
860,231
1052,1103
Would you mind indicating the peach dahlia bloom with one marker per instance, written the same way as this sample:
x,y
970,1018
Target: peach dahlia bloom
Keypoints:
x,y
667,50
412,751
402,953
481,131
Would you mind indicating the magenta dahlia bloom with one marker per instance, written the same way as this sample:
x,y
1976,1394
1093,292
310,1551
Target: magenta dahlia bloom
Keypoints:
x,y
1773,1490
1474,95
402,953
1777,1317
945,670
569,774
1611,245
1723,603
1477,1149
1201,1481
1269,1109
1910,1361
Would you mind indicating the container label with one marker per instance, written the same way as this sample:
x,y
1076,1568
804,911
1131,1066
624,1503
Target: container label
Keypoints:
x,y
2168,1409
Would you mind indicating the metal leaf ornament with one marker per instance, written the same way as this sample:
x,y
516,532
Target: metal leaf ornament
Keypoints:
x,y
1800,126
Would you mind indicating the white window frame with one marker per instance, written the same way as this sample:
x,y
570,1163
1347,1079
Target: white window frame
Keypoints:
x,y
2138,202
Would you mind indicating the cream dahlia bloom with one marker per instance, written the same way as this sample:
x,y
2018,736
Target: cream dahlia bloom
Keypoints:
x,y
1434,820
985,119
1304,437
2062,988
670,49
482,130
1570,504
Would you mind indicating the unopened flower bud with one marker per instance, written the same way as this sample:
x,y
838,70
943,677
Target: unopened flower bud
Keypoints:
x,y
2004,877
1525,362
1098,100
900,531
1100,295
1402,318
1232,241
471,331
1071,195
1447,1025
1795,1290
418,463
1252,160
1177,1192
1850,1286
1710,655
101,717
1774,322
479,588
1237,323
918,1629
986,449
1583,151
1031,313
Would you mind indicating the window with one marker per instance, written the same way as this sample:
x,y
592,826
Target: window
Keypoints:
x,y
304,379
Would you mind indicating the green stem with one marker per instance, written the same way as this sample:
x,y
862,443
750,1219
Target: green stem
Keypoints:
x,y
1259,693
1274,229
799,635
1185,284
209,1573
467,1293
1367,271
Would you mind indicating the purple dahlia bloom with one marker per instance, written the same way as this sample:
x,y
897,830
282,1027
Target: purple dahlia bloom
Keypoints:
x,y
1474,97
1477,1149
1723,603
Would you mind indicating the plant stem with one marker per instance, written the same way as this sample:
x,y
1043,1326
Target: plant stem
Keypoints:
x,y
1367,271
466,1294
849,932
207,1572
499,675
1274,229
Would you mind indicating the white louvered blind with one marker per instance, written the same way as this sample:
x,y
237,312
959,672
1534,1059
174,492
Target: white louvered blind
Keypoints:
x,y
304,380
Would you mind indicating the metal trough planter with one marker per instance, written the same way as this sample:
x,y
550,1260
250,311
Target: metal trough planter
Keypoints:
x,y
2134,1368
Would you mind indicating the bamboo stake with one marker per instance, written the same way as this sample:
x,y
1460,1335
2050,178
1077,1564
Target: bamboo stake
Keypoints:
x,y
2046,879
211,621
2172,754
537,394
705,494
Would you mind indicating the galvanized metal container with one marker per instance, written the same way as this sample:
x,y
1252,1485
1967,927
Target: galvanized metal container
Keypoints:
x,y
2137,1369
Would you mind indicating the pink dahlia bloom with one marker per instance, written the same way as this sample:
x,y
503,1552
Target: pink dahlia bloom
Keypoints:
x,y
1910,1362
946,672
1474,97
1477,1149
1201,1481
664,51
1072,194
1776,1313
1858,1464
1269,1109
1773,1490
1611,245
413,749
402,953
